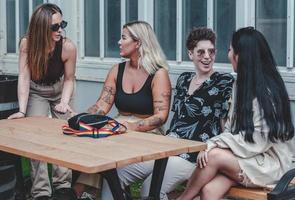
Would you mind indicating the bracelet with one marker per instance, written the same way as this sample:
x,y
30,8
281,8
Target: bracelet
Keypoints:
x,y
22,113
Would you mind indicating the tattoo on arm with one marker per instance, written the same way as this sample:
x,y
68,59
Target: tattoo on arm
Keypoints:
x,y
94,109
158,101
101,112
155,121
108,94
161,105
166,95
161,108
140,123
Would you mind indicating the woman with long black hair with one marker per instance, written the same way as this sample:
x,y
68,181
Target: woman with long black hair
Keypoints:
x,y
255,149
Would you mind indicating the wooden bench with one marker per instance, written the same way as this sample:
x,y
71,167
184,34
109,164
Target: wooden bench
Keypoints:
x,y
262,193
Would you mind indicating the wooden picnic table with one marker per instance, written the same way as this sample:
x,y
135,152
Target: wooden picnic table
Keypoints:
x,y
42,139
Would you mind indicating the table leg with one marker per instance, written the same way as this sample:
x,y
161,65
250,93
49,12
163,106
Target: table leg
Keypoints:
x,y
157,178
113,180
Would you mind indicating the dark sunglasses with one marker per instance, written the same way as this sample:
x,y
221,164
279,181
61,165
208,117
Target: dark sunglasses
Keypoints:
x,y
201,52
55,27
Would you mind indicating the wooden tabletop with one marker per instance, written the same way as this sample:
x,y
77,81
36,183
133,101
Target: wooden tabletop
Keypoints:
x,y
41,138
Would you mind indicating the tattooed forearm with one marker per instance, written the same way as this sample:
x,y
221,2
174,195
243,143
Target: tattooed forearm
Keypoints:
x,y
158,105
101,112
140,124
148,124
155,121
163,103
108,94
94,109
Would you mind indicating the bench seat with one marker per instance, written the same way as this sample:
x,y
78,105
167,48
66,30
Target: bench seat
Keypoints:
x,y
251,193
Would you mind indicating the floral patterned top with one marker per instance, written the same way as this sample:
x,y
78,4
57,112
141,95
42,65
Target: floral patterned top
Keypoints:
x,y
197,116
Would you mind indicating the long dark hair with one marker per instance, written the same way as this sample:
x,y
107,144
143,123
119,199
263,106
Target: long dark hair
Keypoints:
x,y
258,77
39,39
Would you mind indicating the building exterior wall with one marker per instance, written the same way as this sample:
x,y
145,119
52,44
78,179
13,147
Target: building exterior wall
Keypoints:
x,y
95,26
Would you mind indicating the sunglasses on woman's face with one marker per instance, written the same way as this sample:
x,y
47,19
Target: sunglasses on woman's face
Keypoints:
x,y
55,27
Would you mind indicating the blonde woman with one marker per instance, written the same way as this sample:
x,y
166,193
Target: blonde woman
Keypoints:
x,y
47,63
140,87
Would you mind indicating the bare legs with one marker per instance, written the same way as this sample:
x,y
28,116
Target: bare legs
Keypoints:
x,y
213,181
216,188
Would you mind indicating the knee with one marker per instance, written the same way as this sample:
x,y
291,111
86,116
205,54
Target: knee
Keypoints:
x,y
217,156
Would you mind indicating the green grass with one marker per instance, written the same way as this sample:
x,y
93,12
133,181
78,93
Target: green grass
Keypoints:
x,y
26,167
135,189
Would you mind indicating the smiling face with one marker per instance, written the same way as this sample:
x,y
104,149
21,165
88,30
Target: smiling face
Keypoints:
x,y
56,19
203,56
127,45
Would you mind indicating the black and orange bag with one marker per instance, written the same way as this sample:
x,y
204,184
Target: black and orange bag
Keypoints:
x,y
92,125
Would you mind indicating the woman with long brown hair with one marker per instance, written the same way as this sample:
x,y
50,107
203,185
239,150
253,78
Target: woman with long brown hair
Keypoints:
x,y
47,63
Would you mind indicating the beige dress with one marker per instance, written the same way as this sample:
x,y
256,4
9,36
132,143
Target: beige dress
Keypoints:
x,y
263,162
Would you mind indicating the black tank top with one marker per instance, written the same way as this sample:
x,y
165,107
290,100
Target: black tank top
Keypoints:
x,y
55,68
140,102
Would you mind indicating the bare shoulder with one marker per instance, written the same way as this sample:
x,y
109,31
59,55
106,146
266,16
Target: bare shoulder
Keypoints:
x,y
114,70
161,79
23,45
161,73
68,45
69,51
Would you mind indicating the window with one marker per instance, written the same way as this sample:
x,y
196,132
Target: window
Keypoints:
x,y
23,17
224,26
112,27
91,27
194,15
165,26
131,10
17,23
11,31
37,3
271,20
172,20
